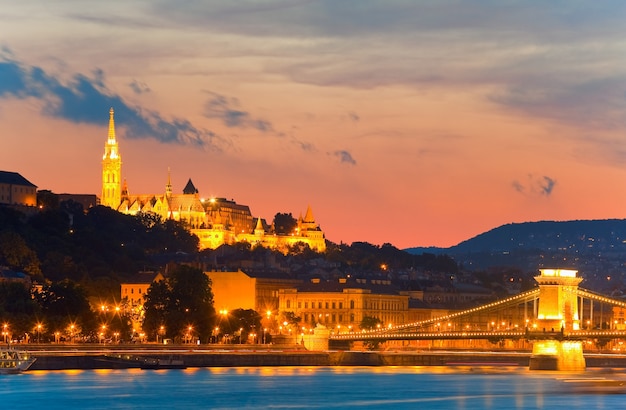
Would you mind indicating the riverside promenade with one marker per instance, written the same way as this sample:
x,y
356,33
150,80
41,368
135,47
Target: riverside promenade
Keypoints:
x,y
151,356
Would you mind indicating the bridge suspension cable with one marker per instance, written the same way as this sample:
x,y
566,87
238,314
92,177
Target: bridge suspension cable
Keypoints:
x,y
599,298
517,299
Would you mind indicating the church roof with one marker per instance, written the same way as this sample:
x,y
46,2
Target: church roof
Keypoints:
x,y
13,178
190,189
185,202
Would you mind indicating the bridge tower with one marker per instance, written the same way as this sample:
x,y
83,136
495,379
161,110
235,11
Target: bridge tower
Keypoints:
x,y
557,316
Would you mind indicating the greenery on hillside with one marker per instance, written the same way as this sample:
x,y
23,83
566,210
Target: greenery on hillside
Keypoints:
x,y
97,248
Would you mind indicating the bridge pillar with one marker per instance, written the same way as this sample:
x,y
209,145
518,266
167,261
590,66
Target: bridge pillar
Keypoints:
x,y
557,316
316,341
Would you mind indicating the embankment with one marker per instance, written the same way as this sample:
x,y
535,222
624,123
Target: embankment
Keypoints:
x,y
133,358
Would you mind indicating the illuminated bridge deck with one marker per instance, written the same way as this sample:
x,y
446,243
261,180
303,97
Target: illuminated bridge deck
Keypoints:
x,y
577,335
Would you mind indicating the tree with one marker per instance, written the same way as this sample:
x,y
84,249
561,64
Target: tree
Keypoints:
x,y
369,323
284,224
65,304
15,253
242,322
182,303
293,321
17,307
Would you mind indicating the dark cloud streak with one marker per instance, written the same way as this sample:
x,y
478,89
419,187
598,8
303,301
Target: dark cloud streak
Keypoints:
x,y
227,109
87,100
543,186
344,157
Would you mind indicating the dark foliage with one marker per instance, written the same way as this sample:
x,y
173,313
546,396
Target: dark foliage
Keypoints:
x,y
183,300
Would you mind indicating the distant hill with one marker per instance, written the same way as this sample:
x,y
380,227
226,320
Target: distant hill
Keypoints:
x,y
597,247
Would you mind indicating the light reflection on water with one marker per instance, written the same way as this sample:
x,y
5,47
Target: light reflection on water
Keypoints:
x,y
301,388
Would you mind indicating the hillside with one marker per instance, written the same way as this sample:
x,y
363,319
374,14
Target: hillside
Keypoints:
x,y
595,247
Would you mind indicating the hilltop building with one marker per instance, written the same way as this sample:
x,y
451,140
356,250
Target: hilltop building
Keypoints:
x,y
216,221
15,190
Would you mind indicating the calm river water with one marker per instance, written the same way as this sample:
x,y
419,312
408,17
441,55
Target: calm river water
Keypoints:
x,y
304,388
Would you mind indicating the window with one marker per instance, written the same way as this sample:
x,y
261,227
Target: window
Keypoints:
x,y
288,303
334,306
340,305
326,305
299,305
352,304
306,305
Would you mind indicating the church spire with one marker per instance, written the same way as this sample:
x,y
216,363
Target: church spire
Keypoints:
x,y
111,139
309,215
111,169
259,230
168,187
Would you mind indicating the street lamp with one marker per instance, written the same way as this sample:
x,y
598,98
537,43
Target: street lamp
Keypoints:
x,y
161,332
38,332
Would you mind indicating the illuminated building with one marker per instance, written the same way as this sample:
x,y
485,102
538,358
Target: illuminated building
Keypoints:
x,y
344,303
133,291
306,231
15,190
248,290
215,222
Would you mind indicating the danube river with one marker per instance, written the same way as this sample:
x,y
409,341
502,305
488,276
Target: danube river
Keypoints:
x,y
308,388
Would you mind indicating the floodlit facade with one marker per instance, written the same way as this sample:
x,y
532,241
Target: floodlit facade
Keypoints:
x,y
215,222
132,292
343,304
247,290
16,190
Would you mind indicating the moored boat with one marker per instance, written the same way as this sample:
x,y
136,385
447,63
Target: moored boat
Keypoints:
x,y
15,361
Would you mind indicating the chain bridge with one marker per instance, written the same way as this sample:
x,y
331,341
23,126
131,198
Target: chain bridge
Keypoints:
x,y
557,317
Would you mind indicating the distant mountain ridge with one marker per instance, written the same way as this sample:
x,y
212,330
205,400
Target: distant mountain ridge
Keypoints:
x,y
597,246
545,235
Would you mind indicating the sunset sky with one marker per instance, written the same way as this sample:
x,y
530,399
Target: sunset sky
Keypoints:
x,y
417,123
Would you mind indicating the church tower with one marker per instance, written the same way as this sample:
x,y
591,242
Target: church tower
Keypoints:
x,y
111,169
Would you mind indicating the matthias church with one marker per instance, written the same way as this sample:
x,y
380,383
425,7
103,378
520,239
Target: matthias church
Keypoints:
x,y
216,221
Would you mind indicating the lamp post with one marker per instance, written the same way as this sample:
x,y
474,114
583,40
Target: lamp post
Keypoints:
x,y
38,332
